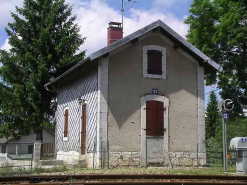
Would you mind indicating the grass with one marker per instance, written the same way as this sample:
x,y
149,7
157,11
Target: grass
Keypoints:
x,y
63,169
186,171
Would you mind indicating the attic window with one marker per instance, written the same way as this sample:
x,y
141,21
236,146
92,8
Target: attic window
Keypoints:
x,y
154,61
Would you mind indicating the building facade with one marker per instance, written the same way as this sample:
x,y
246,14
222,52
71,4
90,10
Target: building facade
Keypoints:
x,y
138,101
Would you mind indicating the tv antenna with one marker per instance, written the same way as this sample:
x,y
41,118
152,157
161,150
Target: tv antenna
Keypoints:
x,y
122,10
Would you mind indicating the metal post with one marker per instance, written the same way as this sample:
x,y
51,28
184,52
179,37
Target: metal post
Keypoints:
x,y
32,159
108,154
122,10
225,146
197,150
93,153
224,143
146,153
101,155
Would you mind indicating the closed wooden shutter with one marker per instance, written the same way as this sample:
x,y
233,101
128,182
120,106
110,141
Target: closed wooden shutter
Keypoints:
x,y
151,118
154,118
154,62
66,121
159,118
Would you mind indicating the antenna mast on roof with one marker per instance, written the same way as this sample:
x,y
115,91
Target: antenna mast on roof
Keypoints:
x,y
122,10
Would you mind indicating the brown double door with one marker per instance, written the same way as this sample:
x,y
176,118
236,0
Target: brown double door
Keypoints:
x,y
83,128
154,118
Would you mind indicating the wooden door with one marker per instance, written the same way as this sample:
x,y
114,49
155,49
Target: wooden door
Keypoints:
x,y
155,129
154,118
83,129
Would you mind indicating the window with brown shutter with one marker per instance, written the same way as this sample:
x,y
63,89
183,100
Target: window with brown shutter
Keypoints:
x,y
154,118
66,122
154,62
159,118
151,118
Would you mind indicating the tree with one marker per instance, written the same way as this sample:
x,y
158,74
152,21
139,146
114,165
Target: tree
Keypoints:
x,y
212,116
218,28
44,43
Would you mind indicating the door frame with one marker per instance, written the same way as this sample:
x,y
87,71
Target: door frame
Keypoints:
x,y
143,101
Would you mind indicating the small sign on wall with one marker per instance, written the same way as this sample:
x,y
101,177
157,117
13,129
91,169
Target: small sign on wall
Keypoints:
x,y
155,91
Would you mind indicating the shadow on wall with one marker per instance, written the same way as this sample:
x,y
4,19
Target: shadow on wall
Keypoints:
x,y
126,84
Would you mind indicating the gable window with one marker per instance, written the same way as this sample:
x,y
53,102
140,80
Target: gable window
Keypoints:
x,y
154,61
66,123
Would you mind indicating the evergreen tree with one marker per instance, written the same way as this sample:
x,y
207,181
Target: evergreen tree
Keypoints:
x,y
218,28
212,116
44,43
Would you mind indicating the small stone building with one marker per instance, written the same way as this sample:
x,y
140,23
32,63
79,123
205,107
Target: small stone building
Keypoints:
x,y
138,101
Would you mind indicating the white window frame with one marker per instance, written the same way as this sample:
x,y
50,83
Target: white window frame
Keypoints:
x,y
65,138
145,61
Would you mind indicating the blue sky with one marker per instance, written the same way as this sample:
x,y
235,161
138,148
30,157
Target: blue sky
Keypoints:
x,y
94,16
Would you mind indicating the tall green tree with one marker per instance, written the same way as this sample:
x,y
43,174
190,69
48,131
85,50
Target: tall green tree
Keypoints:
x,y
218,28
44,43
212,116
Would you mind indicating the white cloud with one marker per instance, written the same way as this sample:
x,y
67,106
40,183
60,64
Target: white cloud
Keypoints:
x,y
6,46
94,16
7,6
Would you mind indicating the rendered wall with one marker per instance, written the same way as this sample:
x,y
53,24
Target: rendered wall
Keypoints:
x,y
126,86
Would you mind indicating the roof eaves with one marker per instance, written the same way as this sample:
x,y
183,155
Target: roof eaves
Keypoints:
x,y
67,72
48,130
190,46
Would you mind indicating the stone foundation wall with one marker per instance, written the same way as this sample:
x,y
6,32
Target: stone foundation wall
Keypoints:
x,y
70,158
187,159
128,159
124,159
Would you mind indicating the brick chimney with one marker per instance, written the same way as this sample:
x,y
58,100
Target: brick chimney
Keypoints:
x,y
114,32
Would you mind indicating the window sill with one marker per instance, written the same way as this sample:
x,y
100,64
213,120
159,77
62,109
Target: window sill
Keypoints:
x,y
154,136
65,138
154,76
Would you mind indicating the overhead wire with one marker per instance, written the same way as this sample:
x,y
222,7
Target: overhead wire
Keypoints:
x,y
131,5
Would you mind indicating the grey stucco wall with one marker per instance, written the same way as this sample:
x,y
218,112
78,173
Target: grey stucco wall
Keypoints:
x,y
126,86
84,85
22,148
